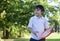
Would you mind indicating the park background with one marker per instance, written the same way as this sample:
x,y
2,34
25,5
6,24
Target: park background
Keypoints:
x,y
15,15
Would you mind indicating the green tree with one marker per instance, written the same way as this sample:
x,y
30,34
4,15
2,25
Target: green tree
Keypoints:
x,y
15,15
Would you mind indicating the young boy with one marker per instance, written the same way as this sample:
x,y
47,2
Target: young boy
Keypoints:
x,y
37,24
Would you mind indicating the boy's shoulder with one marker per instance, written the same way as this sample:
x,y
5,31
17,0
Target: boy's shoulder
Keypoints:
x,y
45,19
32,17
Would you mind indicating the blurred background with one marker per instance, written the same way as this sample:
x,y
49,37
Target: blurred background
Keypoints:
x,y
15,15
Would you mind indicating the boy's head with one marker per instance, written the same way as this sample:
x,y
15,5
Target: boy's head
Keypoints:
x,y
39,10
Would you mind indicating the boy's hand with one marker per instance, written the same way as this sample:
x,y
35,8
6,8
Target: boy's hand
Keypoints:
x,y
36,33
53,30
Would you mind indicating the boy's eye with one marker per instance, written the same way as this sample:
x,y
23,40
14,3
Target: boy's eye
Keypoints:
x,y
38,10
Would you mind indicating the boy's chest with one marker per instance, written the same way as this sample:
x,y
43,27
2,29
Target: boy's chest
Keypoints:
x,y
38,22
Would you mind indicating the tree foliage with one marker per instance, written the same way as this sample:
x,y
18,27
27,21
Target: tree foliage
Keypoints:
x,y
15,15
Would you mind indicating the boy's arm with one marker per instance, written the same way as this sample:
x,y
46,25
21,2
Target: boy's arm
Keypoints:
x,y
30,26
46,24
34,32
30,29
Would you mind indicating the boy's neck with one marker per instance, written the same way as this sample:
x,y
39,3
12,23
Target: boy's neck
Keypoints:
x,y
39,16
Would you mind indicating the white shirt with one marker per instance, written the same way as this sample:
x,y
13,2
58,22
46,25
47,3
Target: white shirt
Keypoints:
x,y
38,24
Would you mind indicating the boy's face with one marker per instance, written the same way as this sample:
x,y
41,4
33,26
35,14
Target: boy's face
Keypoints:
x,y
38,12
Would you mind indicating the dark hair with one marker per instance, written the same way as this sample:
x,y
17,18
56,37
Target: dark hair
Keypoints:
x,y
39,7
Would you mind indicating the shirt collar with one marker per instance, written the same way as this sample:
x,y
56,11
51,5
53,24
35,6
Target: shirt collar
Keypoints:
x,y
39,18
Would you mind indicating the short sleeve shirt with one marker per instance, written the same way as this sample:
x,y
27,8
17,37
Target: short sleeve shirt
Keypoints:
x,y
38,24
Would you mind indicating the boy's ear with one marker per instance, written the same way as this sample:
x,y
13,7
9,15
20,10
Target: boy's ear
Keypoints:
x,y
42,12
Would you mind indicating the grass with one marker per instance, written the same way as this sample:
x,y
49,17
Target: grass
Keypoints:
x,y
52,37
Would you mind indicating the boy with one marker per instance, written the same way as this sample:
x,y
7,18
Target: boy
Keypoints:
x,y
37,24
